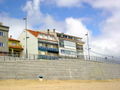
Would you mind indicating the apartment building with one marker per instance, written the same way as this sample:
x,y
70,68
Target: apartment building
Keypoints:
x,y
42,44
15,48
3,39
49,44
70,46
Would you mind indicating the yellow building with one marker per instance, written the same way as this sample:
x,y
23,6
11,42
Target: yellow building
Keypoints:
x,y
15,47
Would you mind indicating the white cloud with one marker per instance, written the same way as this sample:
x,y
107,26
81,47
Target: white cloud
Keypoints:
x,y
51,23
76,27
36,17
108,42
108,4
16,25
105,4
33,11
67,3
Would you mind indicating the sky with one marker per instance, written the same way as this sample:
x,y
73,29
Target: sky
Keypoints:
x,y
99,18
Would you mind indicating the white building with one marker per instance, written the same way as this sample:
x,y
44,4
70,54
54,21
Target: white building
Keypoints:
x,y
68,45
41,44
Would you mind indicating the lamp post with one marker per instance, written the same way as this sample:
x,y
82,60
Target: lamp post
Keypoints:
x,y
25,19
88,47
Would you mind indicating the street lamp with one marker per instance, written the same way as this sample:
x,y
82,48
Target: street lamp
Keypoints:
x,y
88,47
25,19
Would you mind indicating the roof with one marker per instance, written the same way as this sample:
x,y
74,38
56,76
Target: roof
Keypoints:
x,y
12,39
36,33
3,26
16,47
69,35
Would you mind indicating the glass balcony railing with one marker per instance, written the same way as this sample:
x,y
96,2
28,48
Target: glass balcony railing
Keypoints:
x,y
48,49
48,57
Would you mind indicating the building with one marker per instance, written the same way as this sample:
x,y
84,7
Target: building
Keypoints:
x,y
70,46
42,45
50,44
3,39
15,48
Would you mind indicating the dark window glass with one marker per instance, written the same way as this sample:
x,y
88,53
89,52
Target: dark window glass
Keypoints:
x,y
1,44
1,33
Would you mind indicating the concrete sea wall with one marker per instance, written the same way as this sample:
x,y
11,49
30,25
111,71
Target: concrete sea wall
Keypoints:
x,y
58,69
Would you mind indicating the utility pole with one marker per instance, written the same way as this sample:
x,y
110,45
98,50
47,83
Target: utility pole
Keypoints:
x,y
25,19
88,47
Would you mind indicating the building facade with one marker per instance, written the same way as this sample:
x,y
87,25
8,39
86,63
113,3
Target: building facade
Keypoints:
x,y
4,39
70,46
50,44
42,44
15,48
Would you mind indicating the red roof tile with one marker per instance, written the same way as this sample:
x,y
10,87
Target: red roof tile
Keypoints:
x,y
16,47
12,39
35,33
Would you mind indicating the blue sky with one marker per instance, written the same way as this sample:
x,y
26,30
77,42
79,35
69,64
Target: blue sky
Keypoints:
x,y
14,9
100,18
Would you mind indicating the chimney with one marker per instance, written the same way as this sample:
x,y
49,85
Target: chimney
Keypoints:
x,y
48,31
1,23
10,36
54,30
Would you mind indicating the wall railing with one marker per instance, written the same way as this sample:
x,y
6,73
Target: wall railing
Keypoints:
x,y
5,57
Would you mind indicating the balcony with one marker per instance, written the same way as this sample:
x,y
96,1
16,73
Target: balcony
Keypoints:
x,y
47,41
55,50
48,57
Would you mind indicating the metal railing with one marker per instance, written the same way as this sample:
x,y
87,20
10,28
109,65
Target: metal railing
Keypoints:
x,y
44,57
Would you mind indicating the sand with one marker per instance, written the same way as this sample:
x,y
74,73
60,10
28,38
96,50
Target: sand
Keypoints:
x,y
59,85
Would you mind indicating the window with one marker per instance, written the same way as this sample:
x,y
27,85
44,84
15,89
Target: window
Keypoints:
x,y
50,46
1,44
70,37
58,35
14,44
64,36
49,37
41,36
69,44
52,38
42,53
45,37
1,34
68,52
40,44
61,43
80,47
62,51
